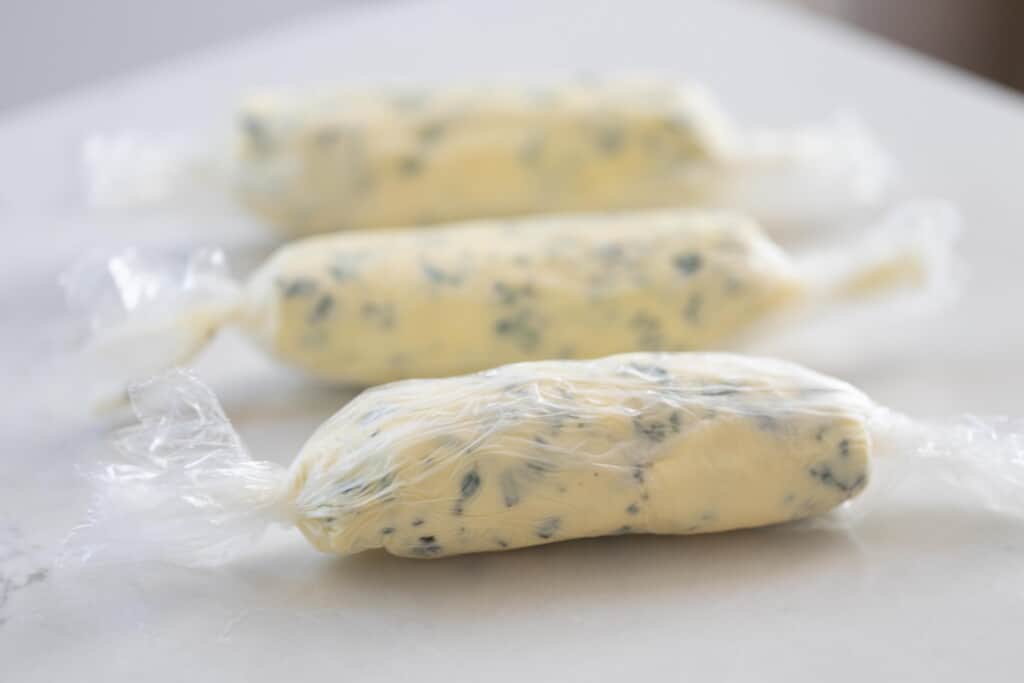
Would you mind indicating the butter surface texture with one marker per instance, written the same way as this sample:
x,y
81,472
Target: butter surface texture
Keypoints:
x,y
535,453
372,307
335,160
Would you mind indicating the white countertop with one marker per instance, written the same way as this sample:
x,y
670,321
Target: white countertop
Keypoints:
x,y
924,586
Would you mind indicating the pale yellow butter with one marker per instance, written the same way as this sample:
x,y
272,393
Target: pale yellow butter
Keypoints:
x,y
541,452
373,307
316,163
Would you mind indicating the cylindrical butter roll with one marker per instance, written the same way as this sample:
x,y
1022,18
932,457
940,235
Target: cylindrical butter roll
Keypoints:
x,y
319,161
539,452
523,455
338,160
371,307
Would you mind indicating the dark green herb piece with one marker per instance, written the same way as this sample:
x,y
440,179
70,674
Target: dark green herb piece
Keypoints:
x,y
539,465
611,140
321,309
431,132
410,166
532,150
520,327
300,286
732,285
548,527
654,430
648,330
440,277
427,550
693,307
383,315
256,133
688,263
470,484
344,266
509,295
633,508
610,252
509,489
823,473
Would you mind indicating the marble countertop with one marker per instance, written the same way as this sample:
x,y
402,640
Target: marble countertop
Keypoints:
x,y
917,583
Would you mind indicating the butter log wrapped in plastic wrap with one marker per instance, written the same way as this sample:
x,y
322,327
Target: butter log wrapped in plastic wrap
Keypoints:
x,y
335,159
522,455
372,307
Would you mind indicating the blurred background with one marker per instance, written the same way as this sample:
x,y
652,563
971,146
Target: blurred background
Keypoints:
x,y
49,46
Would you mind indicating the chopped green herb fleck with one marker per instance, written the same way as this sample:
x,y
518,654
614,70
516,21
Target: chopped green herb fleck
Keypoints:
x,y
440,277
689,263
431,132
509,489
693,308
410,166
611,140
383,315
256,133
470,484
531,150
548,527
655,430
522,328
300,286
321,309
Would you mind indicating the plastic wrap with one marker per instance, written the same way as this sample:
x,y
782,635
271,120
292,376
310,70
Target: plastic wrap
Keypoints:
x,y
319,161
528,454
142,311
367,308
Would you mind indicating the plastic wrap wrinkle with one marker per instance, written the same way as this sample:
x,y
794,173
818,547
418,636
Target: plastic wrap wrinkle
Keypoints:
x,y
184,488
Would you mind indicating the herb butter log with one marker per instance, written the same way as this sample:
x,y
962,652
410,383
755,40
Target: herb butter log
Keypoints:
x,y
333,159
517,456
371,307
529,454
